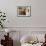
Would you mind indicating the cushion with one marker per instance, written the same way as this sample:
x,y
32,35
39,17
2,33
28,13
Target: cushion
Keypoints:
x,y
26,39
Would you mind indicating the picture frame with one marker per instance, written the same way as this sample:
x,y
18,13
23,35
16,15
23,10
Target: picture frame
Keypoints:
x,y
24,11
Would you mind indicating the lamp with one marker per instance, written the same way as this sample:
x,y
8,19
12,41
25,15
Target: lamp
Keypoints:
x,y
7,31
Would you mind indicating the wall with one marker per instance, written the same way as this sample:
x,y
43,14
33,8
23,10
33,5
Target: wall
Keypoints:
x,y
38,13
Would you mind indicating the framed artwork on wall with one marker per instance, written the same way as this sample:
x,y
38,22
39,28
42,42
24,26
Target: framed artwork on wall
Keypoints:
x,y
24,11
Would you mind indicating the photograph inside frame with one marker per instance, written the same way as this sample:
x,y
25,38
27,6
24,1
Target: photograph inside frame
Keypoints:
x,y
24,10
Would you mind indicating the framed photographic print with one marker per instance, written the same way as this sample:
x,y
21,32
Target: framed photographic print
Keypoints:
x,y
24,10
